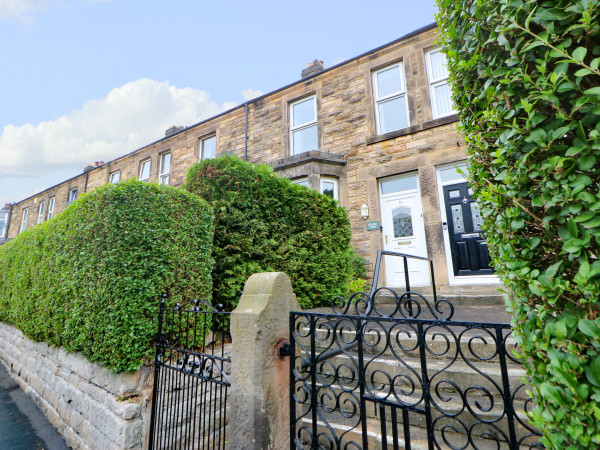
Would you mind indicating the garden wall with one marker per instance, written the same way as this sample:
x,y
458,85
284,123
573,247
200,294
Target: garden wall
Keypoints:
x,y
90,406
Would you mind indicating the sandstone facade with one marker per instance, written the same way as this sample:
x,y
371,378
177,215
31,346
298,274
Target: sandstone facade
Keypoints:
x,y
350,149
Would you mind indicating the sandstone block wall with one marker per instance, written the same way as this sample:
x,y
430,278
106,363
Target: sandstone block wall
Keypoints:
x,y
90,406
347,128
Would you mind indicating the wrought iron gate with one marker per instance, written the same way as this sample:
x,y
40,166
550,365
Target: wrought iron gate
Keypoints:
x,y
191,382
402,375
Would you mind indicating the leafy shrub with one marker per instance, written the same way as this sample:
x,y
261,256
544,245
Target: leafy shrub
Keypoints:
x,y
359,269
356,285
264,223
527,87
90,279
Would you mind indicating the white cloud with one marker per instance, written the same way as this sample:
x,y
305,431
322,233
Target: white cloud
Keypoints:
x,y
249,94
130,117
23,10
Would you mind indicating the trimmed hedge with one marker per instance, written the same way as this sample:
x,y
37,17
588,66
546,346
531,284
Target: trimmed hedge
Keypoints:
x,y
527,86
264,223
90,279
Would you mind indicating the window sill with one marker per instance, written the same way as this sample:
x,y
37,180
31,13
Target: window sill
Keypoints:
x,y
414,129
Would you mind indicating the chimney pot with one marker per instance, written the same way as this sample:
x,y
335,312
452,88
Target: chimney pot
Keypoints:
x,y
313,68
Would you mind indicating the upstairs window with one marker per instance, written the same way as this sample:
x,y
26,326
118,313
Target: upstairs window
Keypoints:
x,y
303,125
145,170
165,168
41,208
208,147
391,107
2,233
51,207
72,196
3,217
439,88
115,177
24,220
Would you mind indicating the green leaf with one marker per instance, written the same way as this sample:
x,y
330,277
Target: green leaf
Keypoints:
x,y
579,53
592,91
593,372
538,136
585,216
566,377
583,72
589,328
551,14
586,162
532,45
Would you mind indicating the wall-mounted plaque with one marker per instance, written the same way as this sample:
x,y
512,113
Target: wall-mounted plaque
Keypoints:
x,y
373,225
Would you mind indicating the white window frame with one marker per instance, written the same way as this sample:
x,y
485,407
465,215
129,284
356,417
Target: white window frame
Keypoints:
x,y
302,181
4,217
333,180
51,207
41,208
395,95
2,232
72,195
163,176
142,165
433,83
202,145
115,177
24,217
303,126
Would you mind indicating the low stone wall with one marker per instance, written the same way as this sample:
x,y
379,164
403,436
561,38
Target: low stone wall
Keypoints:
x,y
90,406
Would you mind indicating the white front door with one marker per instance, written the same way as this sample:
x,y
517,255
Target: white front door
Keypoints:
x,y
403,230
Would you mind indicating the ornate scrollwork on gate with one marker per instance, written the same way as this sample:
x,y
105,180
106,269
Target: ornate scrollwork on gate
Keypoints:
x,y
368,374
408,305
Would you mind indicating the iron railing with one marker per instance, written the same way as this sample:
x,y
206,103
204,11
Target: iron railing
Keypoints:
x,y
404,375
191,379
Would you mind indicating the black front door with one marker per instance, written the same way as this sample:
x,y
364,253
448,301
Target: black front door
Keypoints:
x,y
467,242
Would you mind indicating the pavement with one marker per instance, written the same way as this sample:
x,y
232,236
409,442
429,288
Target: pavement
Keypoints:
x,y
22,425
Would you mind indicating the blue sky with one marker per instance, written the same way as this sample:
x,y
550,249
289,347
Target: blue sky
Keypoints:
x,y
90,80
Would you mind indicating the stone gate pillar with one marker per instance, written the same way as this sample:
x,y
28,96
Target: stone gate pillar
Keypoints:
x,y
260,417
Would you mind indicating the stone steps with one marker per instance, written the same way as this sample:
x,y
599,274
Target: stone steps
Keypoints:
x,y
465,380
346,432
457,295
337,405
471,345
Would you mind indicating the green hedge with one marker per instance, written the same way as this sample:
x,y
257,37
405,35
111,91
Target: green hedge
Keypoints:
x,y
90,279
527,87
265,223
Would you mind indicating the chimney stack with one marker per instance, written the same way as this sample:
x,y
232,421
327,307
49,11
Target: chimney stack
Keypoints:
x,y
312,69
173,129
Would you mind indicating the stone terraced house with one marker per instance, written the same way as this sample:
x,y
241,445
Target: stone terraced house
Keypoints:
x,y
376,132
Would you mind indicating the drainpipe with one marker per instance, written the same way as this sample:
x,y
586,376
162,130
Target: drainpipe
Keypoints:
x,y
246,133
10,208
87,174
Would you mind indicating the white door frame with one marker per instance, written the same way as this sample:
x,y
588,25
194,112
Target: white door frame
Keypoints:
x,y
419,233
449,180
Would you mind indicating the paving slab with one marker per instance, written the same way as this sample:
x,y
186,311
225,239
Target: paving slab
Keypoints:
x,y
22,425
